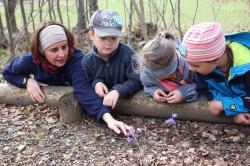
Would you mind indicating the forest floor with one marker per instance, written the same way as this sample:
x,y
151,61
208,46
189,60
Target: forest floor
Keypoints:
x,y
34,135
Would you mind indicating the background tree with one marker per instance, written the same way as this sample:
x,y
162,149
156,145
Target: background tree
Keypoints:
x,y
12,50
3,39
93,6
59,11
11,6
27,36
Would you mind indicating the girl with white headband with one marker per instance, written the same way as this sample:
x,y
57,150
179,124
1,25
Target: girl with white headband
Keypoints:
x,y
54,61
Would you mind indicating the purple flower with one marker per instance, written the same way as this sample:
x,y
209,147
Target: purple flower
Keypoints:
x,y
174,115
171,120
131,139
133,134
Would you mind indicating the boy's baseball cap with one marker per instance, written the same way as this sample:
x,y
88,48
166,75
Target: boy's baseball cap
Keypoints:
x,y
203,42
106,23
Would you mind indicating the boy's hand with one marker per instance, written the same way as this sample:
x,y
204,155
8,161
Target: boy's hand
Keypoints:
x,y
115,125
215,107
174,97
101,89
34,90
242,118
111,98
160,95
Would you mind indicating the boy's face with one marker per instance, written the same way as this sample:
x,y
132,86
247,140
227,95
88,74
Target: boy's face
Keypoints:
x,y
104,45
203,68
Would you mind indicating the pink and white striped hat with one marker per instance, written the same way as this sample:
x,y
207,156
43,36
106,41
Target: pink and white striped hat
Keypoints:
x,y
203,42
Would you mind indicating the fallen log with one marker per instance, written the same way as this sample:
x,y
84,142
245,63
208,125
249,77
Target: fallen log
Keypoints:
x,y
139,105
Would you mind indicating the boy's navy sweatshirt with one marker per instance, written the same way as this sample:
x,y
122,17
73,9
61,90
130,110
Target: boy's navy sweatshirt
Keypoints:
x,y
71,74
116,72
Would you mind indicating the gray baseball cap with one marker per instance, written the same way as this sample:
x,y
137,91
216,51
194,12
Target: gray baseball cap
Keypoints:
x,y
106,23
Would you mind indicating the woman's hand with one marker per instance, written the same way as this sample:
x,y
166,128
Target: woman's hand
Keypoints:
x,y
101,89
115,125
34,90
160,95
174,97
111,99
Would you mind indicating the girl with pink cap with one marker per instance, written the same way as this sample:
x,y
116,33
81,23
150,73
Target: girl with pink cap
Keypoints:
x,y
222,64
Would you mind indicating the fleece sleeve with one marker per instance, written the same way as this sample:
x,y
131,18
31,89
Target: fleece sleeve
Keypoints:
x,y
132,84
188,92
18,69
149,85
83,92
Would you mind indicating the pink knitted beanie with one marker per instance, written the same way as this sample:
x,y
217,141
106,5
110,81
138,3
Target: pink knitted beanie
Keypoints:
x,y
203,42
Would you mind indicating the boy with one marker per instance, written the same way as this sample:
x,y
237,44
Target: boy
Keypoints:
x,y
108,65
223,68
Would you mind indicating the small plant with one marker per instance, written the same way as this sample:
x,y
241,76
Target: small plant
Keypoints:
x,y
133,137
171,120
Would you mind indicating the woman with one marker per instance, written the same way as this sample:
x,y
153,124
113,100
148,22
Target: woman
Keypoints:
x,y
54,61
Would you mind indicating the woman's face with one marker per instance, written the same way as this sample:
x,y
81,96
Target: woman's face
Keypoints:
x,y
57,53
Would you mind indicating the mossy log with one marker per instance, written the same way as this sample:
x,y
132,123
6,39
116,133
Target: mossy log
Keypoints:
x,y
138,105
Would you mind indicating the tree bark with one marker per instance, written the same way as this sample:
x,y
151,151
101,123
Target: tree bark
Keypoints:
x,y
12,49
27,36
81,23
31,14
3,39
93,6
141,17
50,9
59,11
67,8
140,105
11,6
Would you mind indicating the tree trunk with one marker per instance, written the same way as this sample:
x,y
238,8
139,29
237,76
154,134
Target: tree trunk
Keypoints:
x,y
40,4
140,105
27,36
31,14
141,16
50,10
11,6
59,11
12,49
53,11
3,40
67,8
93,6
81,23
130,23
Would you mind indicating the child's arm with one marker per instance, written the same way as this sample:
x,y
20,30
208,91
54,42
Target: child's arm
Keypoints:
x,y
88,71
188,92
131,85
149,85
231,105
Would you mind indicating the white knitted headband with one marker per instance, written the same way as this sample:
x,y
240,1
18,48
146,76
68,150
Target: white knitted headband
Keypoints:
x,y
50,35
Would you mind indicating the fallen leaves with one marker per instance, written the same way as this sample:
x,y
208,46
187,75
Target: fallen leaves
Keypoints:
x,y
33,135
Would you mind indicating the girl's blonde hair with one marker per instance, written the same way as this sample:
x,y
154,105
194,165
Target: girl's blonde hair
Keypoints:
x,y
159,52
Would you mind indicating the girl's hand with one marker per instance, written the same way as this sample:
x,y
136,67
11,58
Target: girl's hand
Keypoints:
x,y
215,107
101,89
160,95
111,99
34,90
174,97
115,125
